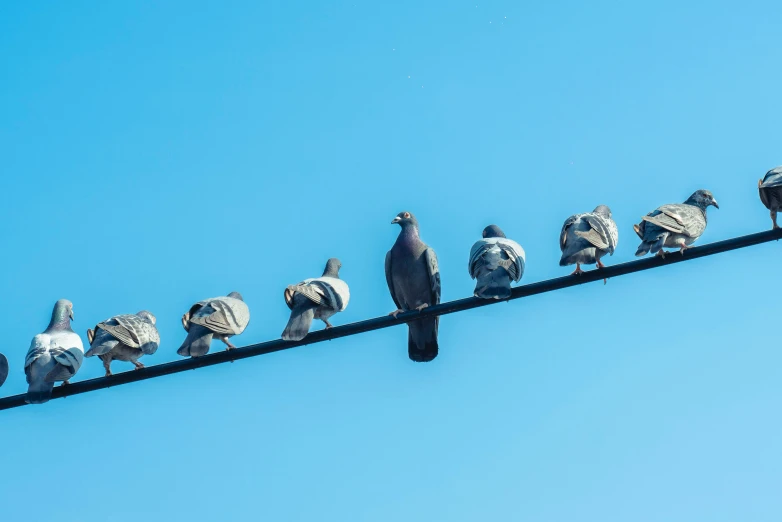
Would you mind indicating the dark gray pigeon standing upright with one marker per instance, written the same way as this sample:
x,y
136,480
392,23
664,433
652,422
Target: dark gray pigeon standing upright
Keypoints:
x,y
674,226
587,237
124,337
770,188
218,317
317,298
495,261
413,279
54,355
3,369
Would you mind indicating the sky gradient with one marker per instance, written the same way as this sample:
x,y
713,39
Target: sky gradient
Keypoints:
x,y
157,153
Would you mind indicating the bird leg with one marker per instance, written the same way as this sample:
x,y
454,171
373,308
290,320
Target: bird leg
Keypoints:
x,y
421,308
578,270
107,366
396,312
774,220
661,253
228,343
137,364
599,266
682,248
328,324
65,383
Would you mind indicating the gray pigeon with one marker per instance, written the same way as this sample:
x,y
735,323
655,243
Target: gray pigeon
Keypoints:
x,y
674,226
317,298
3,369
770,188
413,278
124,338
587,237
54,355
218,317
495,261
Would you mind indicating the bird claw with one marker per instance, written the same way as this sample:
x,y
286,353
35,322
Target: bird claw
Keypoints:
x,y
395,313
65,383
420,308
577,271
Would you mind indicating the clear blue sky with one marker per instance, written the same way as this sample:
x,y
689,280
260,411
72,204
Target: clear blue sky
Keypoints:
x,y
155,153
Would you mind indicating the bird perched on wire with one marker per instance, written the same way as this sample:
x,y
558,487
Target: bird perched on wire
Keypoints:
x,y
674,226
413,279
495,261
124,338
3,369
218,317
54,355
770,188
586,238
317,298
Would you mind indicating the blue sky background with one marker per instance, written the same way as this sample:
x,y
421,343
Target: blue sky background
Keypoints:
x,y
156,153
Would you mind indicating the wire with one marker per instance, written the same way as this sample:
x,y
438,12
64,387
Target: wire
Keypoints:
x,y
378,323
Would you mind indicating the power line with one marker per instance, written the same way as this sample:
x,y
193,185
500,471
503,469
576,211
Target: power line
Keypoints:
x,y
378,323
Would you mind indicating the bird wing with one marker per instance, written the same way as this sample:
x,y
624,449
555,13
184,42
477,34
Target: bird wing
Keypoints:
x,y
667,217
602,232
516,258
336,290
38,346
3,369
773,178
476,253
563,233
434,274
390,282
67,350
223,315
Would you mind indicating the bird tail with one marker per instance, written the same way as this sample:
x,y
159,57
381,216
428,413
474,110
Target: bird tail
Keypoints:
x,y
494,284
422,340
643,249
299,324
197,341
658,245
101,348
39,392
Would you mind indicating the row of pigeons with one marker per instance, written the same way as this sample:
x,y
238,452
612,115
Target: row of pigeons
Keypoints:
x,y
413,280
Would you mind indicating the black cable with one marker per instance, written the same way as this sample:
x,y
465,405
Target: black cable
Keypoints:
x,y
377,323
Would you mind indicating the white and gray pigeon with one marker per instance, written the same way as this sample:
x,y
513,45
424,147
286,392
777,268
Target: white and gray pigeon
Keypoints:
x,y
218,317
413,279
3,369
317,298
586,238
124,337
495,261
674,226
770,188
54,355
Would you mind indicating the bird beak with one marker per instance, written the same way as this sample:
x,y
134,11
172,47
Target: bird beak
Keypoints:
x,y
396,220
714,202
71,314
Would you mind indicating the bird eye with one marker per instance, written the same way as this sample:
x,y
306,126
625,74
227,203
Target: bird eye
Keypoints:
x,y
406,215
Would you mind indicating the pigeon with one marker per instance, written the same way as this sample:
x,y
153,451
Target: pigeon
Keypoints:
x,y
587,237
676,225
3,369
495,261
770,188
54,355
124,338
317,298
221,317
413,279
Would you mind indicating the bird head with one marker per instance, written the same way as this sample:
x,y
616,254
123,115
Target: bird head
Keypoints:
x,y
405,219
493,231
148,316
702,198
603,210
332,267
